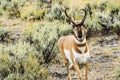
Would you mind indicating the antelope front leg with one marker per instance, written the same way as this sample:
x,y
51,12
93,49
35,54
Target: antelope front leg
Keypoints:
x,y
77,70
68,71
86,71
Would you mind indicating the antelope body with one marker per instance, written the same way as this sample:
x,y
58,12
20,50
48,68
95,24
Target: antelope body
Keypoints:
x,y
74,48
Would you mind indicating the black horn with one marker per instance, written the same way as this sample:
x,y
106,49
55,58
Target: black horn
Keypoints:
x,y
69,16
81,23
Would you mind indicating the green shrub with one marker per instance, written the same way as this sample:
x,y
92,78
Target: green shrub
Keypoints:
x,y
4,33
103,18
55,13
27,11
1,11
32,11
118,74
44,36
11,7
21,61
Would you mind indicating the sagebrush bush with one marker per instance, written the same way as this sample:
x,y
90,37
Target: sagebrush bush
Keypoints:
x,y
55,13
32,11
101,17
4,33
1,11
30,56
106,10
44,37
23,61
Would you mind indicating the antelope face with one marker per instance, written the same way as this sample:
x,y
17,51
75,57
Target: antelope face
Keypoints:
x,y
78,27
79,32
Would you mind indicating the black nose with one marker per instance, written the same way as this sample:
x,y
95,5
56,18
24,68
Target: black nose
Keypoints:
x,y
79,34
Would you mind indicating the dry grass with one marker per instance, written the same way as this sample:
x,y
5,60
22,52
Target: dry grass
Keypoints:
x,y
82,3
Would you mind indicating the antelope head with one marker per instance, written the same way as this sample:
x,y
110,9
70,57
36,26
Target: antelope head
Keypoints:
x,y
78,27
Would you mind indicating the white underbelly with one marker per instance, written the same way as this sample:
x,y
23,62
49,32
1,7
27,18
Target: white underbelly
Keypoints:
x,y
81,58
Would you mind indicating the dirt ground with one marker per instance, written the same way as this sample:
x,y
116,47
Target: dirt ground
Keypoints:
x,y
104,62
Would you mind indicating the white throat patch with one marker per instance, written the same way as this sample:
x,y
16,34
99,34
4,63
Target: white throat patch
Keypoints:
x,y
82,49
78,42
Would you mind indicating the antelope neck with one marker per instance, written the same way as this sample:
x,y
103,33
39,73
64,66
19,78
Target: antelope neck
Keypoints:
x,y
80,45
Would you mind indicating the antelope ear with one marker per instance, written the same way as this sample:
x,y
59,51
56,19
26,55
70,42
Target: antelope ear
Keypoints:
x,y
84,26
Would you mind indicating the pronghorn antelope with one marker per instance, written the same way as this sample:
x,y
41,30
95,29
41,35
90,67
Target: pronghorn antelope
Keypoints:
x,y
74,48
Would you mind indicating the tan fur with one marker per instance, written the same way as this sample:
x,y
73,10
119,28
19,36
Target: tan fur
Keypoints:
x,y
73,48
68,42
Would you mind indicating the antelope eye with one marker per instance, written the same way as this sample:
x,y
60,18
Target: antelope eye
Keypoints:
x,y
73,26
